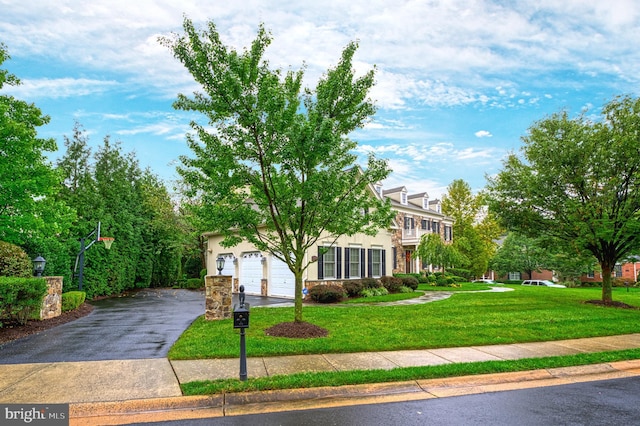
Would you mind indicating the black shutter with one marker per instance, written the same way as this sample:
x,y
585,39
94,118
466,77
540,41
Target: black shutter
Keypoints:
x,y
369,263
338,265
384,263
362,267
395,257
320,263
346,262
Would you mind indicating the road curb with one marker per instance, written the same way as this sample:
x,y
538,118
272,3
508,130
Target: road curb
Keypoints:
x,y
257,402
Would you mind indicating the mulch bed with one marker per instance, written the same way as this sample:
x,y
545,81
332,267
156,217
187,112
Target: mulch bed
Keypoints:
x,y
296,330
13,330
612,304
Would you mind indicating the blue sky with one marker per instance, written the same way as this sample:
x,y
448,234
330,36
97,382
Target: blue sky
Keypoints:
x,y
458,82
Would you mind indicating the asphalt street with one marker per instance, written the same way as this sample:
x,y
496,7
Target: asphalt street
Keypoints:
x,y
606,402
140,325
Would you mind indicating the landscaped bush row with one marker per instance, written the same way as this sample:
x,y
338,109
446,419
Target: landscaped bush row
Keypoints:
x,y
326,293
20,297
72,300
365,287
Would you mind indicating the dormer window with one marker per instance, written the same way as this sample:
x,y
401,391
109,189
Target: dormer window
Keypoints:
x,y
403,198
378,189
425,203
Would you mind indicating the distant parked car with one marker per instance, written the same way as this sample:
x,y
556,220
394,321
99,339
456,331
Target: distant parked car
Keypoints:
x,y
543,283
484,280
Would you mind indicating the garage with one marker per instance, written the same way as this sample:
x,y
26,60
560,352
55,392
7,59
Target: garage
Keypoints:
x,y
251,272
229,267
282,281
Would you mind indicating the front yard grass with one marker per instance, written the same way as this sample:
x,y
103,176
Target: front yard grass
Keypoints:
x,y
526,314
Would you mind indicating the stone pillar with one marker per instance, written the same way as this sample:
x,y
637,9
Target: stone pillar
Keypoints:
x,y
217,297
52,302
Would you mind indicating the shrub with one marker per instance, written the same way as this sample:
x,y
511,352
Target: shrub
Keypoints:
x,y
72,300
194,283
203,273
326,293
442,282
370,283
405,289
14,262
431,278
423,279
461,272
20,297
392,284
410,282
371,292
621,282
353,288
453,279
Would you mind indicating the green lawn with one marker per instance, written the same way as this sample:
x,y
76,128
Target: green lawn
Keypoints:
x,y
524,315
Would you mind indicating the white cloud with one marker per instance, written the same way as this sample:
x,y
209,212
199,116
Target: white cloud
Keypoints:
x,y
483,134
59,88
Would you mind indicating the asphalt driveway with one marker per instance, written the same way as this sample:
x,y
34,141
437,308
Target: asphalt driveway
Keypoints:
x,y
140,325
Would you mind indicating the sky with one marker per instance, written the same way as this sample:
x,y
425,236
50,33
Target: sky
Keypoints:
x,y
458,83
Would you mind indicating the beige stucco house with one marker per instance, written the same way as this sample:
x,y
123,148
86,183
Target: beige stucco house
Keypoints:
x,y
349,257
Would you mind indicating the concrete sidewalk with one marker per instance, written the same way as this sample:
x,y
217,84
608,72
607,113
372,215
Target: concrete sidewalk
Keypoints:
x,y
110,389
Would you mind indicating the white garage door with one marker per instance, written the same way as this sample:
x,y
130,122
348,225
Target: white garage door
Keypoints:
x,y
229,267
282,281
251,272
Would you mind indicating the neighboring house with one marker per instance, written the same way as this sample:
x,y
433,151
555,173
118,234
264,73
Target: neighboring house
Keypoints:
x,y
348,257
521,276
627,271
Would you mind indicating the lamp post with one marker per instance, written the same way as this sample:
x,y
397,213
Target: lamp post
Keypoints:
x,y
220,264
38,266
94,236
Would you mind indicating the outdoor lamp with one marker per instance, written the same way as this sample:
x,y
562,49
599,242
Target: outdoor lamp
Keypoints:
x,y
38,265
220,264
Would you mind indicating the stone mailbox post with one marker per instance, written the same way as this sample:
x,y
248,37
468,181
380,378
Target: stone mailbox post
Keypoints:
x,y
217,297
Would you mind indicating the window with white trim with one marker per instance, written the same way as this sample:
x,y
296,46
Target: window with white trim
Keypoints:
x,y
514,276
354,262
329,262
376,263
616,272
403,198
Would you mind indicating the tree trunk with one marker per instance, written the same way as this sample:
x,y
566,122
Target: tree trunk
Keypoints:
x,y
298,296
606,282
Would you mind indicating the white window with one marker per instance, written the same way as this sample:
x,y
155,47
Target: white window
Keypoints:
x,y
354,262
514,276
425,203
376,262
403,198
329,263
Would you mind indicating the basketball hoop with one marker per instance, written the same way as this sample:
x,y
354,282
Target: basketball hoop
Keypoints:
x,y
107,242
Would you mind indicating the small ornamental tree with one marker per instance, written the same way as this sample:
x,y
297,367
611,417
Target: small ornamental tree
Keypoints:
x,y
273,164
436,252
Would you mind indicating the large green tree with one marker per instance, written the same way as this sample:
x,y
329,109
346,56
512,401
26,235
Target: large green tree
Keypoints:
x,y
132,205
520,253
474,233
277,168
578,182
30,214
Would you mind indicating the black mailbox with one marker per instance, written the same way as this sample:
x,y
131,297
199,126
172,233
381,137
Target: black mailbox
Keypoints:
x,y
241,316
